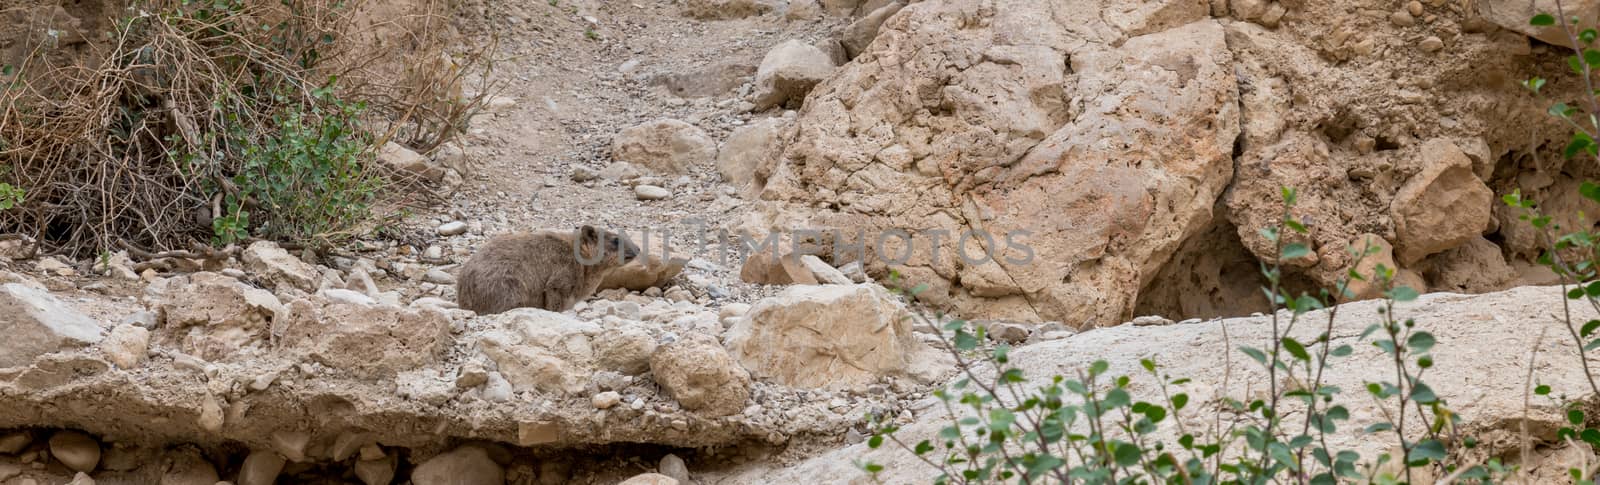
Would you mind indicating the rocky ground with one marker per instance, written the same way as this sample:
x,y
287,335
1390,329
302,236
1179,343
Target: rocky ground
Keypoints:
x,y
687,118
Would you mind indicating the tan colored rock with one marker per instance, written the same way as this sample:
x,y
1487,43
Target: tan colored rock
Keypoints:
x,y
376,472
823,272
894,142
1442,207
803,10
276,266
541,350
701,376
650,479
747,149
366,340
260,468
729,9
840,7
76,450
37,323
234,316
467,465
1478,266
859,34
189,468
1381,254
657,265
626,350
408,163
767,268
126,346
664,146
14,442
788,72
1514,15
832,336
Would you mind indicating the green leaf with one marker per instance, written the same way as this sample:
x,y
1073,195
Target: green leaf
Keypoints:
x,y
1423,394
1575,417
1542,390
965,341
1179,401
1580,141
1125,454
1295,251
1255,354
1341,351
1420,342
1589,190
1001,419
1542,20
1402,294
1295,349
1427,450
875,441
1589,328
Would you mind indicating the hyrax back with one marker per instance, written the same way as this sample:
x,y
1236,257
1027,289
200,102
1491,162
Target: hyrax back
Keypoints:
x,y
545,269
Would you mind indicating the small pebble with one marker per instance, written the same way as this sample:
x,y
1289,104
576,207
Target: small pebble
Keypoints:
x,y
606,400
674,467
1402,19
453,228
1432,44
650,192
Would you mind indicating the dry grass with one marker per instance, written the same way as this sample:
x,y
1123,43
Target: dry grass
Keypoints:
x,y
139,139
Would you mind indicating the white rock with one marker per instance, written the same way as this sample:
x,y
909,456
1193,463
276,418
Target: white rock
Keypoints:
x,y
347,297
674,467
788,72
824,272
273,264
37,323
126,346
453,228
439,277
651,192
376,472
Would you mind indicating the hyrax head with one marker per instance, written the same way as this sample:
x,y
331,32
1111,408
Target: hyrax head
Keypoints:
x,y
599,246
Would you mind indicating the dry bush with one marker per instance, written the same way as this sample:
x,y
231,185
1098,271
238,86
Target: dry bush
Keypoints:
x,y
225,120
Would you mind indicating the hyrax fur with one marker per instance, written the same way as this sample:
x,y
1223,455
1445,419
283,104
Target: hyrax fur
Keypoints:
x,y
545,269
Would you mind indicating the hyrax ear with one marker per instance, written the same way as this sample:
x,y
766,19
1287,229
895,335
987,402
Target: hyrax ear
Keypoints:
x,y
588,242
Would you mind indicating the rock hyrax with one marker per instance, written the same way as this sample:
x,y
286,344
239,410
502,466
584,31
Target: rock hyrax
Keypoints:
x,y
545,269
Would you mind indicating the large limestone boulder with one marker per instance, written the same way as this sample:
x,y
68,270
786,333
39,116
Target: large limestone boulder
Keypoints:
x,y
788,72
664,146
833,336
1096,152
1442,207
37,323
213,316
701,376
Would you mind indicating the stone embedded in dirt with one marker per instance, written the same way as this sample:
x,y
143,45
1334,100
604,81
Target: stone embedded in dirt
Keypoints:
x,y
467,465
1150,321
657,265
650,479
409,163
55,267
581,174
701,376
664,146
13,442
439,277
626,349
767,268
290,444
841,7
189,468
1442,207
860,33
749,150
803,10
842,337
1514,15
541,350
126,346
651,192
620,171
729,9
824,273
606,400
37,323
452,156
1478,266
372,341
81,479
674,467
788,72
75,449
347,297
452,228
380,471
1010,333
273,264
261,467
